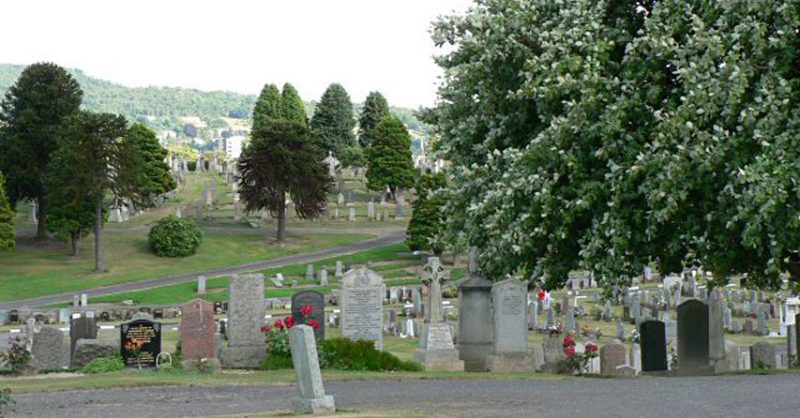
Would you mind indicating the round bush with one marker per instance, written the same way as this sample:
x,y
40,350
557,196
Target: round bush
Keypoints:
x,y
175,237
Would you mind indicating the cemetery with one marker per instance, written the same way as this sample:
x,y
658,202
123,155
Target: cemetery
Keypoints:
x,y
566,209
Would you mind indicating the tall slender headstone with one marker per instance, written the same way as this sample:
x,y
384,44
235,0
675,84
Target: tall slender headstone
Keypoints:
x,y
201,285
693,337
436,350
309,272
475,325
312,399
652,336
510,328
716,332
246,308
82,326
362,306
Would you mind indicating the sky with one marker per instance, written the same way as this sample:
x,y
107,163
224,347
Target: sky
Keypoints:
x,y
237,45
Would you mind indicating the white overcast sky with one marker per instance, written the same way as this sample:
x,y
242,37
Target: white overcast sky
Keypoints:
x,y
236,45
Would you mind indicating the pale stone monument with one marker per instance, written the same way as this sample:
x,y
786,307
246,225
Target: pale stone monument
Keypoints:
x,y
246,307
474,317
312,399
436,350
362,306
510,328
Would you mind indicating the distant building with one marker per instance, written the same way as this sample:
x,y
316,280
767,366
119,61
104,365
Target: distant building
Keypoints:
x,y
233,146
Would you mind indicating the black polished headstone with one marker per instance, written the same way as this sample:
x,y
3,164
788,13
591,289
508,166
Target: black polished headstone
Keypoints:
x,y
693,344
653,341
140,343
317,302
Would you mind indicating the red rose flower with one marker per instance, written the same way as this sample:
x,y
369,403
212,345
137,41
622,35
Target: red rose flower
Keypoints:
x,y
569,342
570,351
306,310
278,324
289,321
541,294
591,347
266,328
313,323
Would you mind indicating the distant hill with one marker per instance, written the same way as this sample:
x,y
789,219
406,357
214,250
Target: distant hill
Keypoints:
x,y
169,107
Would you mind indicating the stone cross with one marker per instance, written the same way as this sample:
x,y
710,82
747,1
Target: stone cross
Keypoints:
x,y
312,399
434,283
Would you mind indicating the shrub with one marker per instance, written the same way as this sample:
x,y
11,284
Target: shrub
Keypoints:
x,y
277,362
175,237
6,403
17,357
361,355
104,365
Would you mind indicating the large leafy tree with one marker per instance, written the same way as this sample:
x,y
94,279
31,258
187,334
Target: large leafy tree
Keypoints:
x,y
148,165
282,159
98,160
334,122
426,227
6,218
389,162
32,116
375,108
606,135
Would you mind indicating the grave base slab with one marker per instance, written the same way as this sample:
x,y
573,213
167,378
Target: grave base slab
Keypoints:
x,y
509,363
323,405
243,357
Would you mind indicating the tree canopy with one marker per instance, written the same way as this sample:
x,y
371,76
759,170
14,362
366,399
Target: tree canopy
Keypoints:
x,y
292,107
32,116
148,158
7,241
389,162
425,229
334,121
375,108
606,135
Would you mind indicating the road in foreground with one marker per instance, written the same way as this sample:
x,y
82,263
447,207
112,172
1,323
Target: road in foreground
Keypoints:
x,y
720,396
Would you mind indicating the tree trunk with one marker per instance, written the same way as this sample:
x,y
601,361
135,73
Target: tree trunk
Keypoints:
x,y
99,257
41,224
76,243
282,222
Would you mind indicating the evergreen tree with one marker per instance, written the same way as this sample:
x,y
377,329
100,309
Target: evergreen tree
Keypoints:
x,y
269,106
282,160
292,105
148,164
427,223
72,209
389,162
6,218
32,116
334,121
375,109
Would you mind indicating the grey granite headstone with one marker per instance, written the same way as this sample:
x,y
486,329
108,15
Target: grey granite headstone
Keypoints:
x,y
612,356
339,267
201,285
474,317
312,399
246,307
436,350
309,272
732,356
555,360
716,332
323,277
693,337
762,356
47,349
510,328
362,306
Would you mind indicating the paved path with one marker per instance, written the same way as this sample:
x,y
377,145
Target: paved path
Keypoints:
x,y
721,396
391,237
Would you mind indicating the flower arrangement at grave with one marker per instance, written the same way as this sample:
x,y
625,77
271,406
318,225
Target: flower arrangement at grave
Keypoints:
x,y
578,362
277,334
134,346
17,357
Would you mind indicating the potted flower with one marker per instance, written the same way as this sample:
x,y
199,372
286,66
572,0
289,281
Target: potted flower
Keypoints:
x,y
578,363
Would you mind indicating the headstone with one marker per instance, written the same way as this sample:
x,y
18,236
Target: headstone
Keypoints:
x,y
732,356
533,307
693,337
436,351
762,356
351,214
84,299
370,210
762,323
570,323
716,331
620,331
555,360
197,331
309,272
323,277
611,356
362,306
537,352
510,328
76,301
82,326
246,309
607,311
47,347
652,335
312,399
201,285
87,350
475,324
338,273
748,326
140,343
317,302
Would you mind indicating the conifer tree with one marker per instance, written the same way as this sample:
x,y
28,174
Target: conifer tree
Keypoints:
x,y
333,122
389,162
375,109
6,219
292,107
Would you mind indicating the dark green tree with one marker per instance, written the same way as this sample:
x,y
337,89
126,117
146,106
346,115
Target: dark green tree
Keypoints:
x,y
97,161
282,160
32,116
352,156
427,223
6,218
389,162
375,109
292,107
334,121
269,106
72,209
149,166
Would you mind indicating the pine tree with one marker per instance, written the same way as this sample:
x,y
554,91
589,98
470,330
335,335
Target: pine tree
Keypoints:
x,y
269,106
427,222
389,162
292,107
148,164
6,218
333,121
375,109
33,114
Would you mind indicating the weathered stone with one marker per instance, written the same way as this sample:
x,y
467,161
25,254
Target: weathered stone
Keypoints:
x,y
312,399
474,317
611,356
362,306
246,307
82,326
555,360
510,328
197,331
201,285
762,356
87,350
47,348
436,350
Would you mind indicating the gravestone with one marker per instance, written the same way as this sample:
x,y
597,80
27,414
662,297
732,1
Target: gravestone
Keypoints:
x,y
533,307
47,347
312,399
317,302
762,356
474,316
611,356
570,323
436,351
732,356
607,311
246,309
510,328
555,360
197,331
87,350
323,277
362,306
652,336
351,214
309,272
140,343
201,285
84,299
762,324
338,272
636,358
716,331
82,325
693,337
371,210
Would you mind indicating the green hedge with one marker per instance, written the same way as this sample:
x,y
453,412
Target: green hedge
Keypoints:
x,y
175,237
